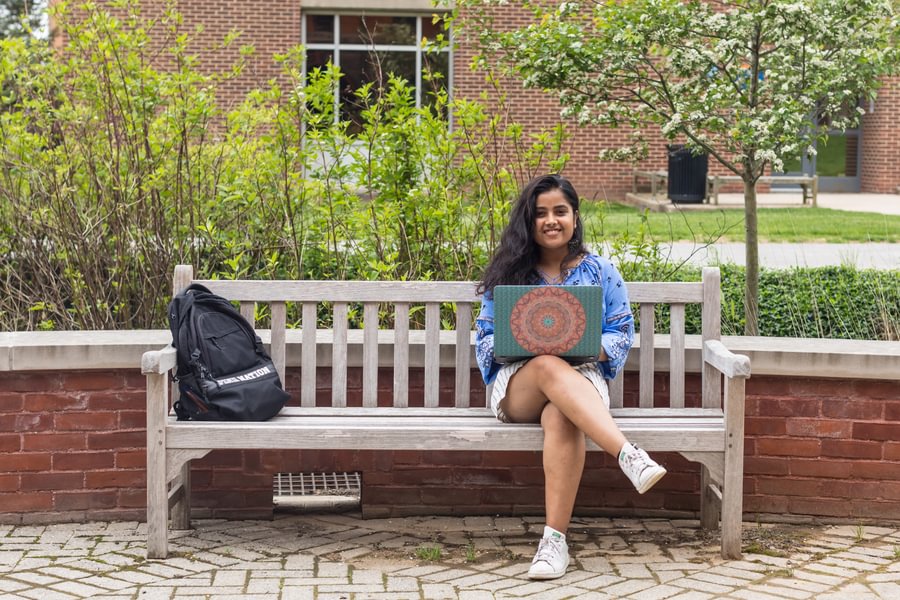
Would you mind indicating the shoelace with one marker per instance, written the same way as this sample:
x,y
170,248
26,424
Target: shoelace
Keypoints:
x,y
637,461
548,549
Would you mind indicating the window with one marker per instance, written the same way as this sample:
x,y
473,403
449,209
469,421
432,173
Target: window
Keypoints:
x,y
367,47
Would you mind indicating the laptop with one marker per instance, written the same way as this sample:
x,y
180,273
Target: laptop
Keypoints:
x,y
564,321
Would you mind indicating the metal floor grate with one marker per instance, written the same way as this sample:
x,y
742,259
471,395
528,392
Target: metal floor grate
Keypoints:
x,y
316,484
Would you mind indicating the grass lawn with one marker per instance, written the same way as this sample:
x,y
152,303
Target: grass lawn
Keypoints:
x,y
727,225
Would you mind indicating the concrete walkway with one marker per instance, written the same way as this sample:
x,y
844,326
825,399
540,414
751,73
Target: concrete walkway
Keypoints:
x,y
875,255
342,557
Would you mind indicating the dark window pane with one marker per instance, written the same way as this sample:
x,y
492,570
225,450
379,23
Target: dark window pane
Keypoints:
x,y
437,65
851,155
360,67
354,75
356,29
836,157
319,29
402,64
792,165
317,59
431,30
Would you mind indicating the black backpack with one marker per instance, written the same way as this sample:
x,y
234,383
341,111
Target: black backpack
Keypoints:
x,y
224,373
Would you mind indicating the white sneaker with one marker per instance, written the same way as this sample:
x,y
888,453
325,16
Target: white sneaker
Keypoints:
x,y
640,468
552,557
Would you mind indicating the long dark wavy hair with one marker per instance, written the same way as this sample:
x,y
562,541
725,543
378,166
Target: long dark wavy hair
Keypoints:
x,y
516,258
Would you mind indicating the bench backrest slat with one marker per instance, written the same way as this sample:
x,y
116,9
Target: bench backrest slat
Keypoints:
x,y
463,348
665,293
648,328
432,353
339,356
370,354
279,314
248,311
616,391
344,291
308,324
676,356
401,355
711,330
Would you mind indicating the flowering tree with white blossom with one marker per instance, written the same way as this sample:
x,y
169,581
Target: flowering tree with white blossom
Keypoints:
x,y
747,81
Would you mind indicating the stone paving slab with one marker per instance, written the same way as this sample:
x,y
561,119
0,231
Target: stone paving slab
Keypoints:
x,y
342,557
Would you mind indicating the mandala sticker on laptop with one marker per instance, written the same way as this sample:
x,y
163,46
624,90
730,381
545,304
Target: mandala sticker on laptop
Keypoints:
x,y
548,320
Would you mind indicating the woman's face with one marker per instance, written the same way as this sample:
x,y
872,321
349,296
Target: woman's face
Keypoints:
x,y
554,222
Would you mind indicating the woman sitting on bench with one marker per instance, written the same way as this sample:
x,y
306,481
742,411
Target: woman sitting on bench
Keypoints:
x,y
544,245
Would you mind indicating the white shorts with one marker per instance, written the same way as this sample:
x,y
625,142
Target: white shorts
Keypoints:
x,y
498,393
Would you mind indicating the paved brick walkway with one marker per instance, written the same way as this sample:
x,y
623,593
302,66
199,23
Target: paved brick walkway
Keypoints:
x,y
341,557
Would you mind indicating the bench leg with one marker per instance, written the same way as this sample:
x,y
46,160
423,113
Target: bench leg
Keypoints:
x,y
179,461
157,494
157,512
181,511
732,522
733,482
710,505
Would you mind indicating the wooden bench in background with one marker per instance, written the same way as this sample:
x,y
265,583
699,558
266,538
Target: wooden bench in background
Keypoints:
x,y
809,184
658,182
712,435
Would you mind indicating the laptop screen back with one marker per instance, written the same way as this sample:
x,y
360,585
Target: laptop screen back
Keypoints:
x,y
564,321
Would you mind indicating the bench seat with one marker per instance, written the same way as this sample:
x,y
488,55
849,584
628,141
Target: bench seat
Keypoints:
x,y
436,429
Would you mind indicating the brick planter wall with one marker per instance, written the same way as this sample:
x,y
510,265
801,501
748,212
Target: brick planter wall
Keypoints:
x,y
72,449
72,445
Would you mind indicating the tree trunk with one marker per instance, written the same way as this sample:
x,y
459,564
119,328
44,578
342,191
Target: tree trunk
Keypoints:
x,y
751,286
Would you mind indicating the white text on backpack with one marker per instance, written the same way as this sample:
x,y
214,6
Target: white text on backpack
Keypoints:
x,y
246,376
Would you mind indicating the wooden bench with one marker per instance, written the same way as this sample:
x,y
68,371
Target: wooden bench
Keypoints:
x,y
712,435
658,182
809,184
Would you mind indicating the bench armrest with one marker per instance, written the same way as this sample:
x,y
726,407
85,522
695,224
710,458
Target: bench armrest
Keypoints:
x,y
730,364
158,361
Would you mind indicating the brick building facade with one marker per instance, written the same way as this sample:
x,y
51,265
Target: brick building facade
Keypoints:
x,y
274,26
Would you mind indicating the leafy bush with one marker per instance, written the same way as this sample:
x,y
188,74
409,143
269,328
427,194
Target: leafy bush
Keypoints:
x,y
822,302
113,170
829,302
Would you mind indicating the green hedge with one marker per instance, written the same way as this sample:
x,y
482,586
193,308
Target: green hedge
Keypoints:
x,y
823,302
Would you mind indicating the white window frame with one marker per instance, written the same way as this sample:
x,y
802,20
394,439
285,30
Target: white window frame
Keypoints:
x,y
336,46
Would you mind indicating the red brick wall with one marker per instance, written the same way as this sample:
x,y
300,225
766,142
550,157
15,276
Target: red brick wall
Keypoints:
x,y
880,167
276,27
823,447
72,445
72,448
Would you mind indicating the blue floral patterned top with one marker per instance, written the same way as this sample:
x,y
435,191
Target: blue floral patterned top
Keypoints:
x,y
618,322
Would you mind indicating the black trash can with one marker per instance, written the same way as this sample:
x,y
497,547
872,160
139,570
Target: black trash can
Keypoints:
x,y
687,175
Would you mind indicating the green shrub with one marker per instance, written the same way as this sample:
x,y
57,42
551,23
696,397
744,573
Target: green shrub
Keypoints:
x,y
830,302
113,170
822,302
